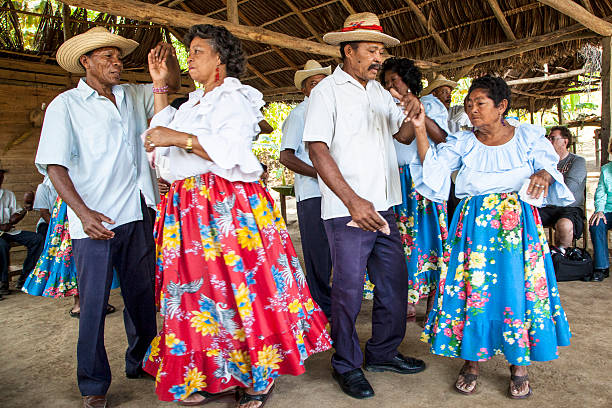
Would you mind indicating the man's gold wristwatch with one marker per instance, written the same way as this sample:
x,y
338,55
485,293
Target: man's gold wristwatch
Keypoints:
x,y
189,147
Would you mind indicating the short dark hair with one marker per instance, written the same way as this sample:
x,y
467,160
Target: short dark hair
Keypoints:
x,y
496,88
565,133
405,68
224,43
354,45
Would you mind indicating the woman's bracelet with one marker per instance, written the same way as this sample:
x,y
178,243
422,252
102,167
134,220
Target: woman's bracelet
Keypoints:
x,y
161,90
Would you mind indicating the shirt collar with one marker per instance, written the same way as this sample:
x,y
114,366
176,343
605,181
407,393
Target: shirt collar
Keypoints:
x,y
87,91
341,77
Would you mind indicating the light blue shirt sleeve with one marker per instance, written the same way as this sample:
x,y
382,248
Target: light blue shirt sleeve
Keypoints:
x,y
57,144
440,161
436,111
144,95
293,129
602,191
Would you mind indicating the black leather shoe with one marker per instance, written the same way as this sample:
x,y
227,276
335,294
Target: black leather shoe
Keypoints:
x,y
606,273
598,275
399,364
354,384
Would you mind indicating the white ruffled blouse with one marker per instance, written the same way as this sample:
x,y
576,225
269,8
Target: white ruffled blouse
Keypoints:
x,y
225,121
493,169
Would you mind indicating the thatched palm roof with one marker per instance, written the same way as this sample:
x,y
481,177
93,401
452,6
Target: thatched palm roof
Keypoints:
x,y
439,31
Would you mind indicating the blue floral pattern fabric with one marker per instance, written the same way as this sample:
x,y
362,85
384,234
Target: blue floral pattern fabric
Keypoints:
x,y
499,294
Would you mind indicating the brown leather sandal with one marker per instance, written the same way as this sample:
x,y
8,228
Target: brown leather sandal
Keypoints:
x,y
468,380
516,383
263,398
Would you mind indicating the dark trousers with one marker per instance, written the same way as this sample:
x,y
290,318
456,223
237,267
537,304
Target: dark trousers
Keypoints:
x,y
42,229
316,252
129,252
353,250
32,241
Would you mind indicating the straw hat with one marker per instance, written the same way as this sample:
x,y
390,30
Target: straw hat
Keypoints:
x,y
439,81
311,68
360,27
98,37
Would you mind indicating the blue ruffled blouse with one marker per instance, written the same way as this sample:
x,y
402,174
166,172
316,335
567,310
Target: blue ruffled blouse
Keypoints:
x,y
407,154
493,169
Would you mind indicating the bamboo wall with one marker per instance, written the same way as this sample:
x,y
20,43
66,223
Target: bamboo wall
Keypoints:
x,y
25,86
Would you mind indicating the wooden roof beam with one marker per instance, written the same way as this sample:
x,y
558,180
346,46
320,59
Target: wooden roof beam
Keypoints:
x,y
139,10
260,75
421,17
551,77
348,6
580,14
304,21
232,11
533,44
499,15
587,5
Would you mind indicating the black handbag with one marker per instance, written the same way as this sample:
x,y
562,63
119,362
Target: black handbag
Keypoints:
x,y
575,264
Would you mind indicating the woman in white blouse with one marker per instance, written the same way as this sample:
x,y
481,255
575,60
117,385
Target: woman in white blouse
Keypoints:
x,y
499,295
236,308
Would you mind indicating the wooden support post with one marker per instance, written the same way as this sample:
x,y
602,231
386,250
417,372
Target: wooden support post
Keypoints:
x,y
560,111
66,22
531,109
232,11
606,97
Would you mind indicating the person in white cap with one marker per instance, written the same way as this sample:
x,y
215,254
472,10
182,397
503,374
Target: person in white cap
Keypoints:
x,y
90,147
350,126
294,156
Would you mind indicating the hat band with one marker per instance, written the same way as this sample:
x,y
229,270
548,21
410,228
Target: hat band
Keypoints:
x,y
362,27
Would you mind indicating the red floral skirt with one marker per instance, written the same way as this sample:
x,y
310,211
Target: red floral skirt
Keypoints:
x,y
236,308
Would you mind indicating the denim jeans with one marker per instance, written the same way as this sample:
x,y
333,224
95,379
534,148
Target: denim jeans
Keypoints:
x,y
599,237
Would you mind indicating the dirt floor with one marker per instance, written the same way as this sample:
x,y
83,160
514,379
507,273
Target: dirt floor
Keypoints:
x,y
38,363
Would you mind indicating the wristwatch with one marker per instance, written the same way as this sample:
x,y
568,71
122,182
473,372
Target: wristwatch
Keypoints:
x,y
189,147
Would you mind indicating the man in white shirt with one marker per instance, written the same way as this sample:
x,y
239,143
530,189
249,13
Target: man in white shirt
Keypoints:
x,y
10,215
43,203
308,196
90,146
350,126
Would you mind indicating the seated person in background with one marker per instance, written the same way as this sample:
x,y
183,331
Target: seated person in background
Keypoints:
x,y
43,203
10,215
601,222
567,221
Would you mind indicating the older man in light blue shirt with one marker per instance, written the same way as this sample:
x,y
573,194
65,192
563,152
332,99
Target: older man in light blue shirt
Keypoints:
x,y
91,149
295,157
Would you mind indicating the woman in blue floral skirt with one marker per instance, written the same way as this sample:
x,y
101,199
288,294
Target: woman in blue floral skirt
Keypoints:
x,y
499,294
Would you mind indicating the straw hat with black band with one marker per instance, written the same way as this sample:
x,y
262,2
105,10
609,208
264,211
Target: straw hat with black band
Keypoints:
x,y
98,37
360,27
311,68
439,81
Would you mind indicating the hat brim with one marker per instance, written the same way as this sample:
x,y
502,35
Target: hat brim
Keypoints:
x,y
71,50
437,84
303,74
338,37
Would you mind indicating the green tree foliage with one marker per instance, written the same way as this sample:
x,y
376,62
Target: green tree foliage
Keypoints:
x,y
267,147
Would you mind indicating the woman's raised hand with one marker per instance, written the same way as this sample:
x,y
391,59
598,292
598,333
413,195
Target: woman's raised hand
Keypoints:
x,y
158,68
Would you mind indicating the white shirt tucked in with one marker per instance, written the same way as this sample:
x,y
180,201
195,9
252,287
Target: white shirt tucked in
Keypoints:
x,y
293,129
8,207
224,120
358,125
98,142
